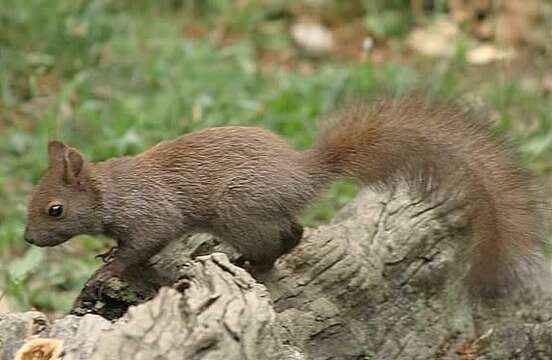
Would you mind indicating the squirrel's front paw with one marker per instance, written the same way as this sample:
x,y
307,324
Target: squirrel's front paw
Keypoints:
x,y
109,255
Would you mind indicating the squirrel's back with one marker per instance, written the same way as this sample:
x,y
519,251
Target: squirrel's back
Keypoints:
x,y
231,165
446,151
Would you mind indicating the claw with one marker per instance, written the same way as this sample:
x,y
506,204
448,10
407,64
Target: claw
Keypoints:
x,y
108,256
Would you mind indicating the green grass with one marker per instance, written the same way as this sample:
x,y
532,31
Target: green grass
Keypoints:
x,y
115,77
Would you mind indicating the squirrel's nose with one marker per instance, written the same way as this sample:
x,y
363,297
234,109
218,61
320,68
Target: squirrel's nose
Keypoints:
x,y
27,237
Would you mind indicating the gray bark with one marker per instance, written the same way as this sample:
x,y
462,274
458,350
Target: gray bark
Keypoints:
x,y
382,281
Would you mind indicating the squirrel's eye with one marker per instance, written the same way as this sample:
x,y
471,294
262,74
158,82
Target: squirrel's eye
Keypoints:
x,y
55,210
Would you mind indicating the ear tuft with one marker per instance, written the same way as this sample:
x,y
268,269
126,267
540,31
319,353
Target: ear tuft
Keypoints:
x,y
74,163
56,152
66,160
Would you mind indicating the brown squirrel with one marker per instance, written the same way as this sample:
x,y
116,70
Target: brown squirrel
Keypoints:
x,y
248,187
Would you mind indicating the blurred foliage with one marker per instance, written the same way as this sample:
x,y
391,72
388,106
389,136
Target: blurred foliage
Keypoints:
x,y
115,77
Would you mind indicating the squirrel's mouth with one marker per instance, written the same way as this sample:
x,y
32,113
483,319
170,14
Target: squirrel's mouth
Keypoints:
x,y
43,240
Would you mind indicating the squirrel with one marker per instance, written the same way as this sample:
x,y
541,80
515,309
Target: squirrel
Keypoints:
x,y
247,186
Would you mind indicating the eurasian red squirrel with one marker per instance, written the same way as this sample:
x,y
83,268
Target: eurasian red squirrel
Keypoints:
x,y
248,187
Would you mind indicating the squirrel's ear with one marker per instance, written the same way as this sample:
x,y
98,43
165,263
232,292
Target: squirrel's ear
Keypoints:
x,y
69,160
73,165
56,153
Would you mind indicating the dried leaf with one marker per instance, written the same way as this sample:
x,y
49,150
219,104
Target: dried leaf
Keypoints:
x,y
437,39
40,349
485,54
312,37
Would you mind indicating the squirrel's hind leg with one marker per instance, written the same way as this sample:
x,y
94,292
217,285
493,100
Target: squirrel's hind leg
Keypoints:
x,y
263,242
292,236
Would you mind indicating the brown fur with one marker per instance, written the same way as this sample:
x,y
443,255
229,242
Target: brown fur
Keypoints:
x,y
454,155
247,186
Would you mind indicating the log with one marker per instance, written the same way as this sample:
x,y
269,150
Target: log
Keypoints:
x,y
383,280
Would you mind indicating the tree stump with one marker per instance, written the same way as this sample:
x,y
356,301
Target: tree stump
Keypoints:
x,y
383,280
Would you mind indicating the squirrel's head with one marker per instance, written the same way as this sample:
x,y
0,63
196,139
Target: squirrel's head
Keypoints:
x,y
65,203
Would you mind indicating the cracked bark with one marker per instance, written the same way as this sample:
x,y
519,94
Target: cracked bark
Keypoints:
x,y
382,281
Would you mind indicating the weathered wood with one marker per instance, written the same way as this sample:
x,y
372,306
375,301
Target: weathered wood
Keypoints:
x,y
382,281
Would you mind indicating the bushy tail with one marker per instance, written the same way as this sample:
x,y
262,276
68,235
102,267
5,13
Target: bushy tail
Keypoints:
x,y
446,150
